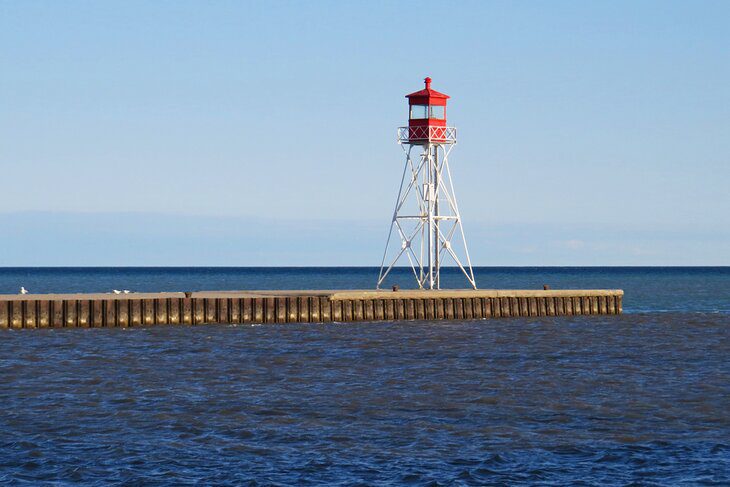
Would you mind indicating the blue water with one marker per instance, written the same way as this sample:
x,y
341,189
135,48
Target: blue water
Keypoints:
x,y
638,399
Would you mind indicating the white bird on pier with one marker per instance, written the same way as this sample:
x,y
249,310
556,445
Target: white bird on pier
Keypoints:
x,y
126,291
23,290
117,291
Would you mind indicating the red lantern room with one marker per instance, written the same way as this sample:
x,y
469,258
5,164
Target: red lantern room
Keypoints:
x,y
427,117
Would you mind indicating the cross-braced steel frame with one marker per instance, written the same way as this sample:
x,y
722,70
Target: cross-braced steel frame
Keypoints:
x,y
427,234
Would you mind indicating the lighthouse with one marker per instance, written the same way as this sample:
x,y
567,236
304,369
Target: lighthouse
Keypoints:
x,y
426,229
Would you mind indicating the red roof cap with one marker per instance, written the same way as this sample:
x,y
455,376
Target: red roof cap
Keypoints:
x,y
428,92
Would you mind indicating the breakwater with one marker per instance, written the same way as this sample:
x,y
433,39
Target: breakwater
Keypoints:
x,y
197,308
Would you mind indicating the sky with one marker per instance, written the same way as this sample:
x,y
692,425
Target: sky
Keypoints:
x,y
263,133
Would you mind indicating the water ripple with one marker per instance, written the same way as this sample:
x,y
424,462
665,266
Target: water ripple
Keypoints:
x,y
639,399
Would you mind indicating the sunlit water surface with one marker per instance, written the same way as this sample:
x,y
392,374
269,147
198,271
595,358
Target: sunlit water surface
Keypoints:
x,y
643,398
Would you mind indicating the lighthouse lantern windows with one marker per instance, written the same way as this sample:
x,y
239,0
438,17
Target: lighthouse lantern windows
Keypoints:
x,y
438,111
419,112
423,112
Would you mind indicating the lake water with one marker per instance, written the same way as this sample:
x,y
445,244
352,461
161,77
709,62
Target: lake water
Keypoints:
x,y
642,398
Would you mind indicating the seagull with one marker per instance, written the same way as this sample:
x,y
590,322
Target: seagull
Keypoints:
x,y
117,291
23,290
126,291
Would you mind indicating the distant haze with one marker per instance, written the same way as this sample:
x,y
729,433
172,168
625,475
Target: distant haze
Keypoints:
x,y
232,133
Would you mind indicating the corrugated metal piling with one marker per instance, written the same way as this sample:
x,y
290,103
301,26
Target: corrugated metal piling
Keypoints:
x,y
143,309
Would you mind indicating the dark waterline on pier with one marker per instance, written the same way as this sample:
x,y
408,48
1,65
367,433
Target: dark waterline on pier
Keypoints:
x,y
640,398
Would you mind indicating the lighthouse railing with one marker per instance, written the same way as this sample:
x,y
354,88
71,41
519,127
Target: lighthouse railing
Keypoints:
x,y
444,135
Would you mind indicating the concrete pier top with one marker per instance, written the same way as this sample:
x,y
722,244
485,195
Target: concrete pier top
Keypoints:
x,y
297,306
473,293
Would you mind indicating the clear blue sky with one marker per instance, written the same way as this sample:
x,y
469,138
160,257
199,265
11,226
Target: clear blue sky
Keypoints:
x,y
263,133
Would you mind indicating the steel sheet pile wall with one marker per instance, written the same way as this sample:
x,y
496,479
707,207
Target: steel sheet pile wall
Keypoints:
x,y
103,310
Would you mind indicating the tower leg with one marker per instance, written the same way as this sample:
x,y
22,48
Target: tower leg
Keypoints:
x,y
428,193
436,212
